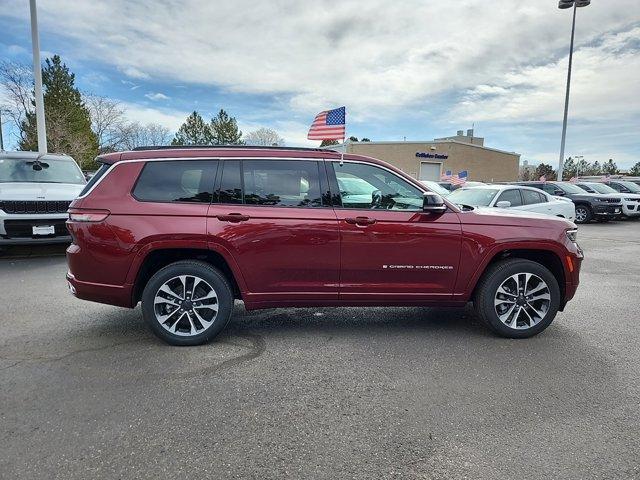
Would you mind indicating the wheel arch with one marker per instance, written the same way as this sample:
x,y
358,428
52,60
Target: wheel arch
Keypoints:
x,y
545,257
157,258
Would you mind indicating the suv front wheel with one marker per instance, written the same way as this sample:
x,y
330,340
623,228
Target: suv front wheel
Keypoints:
x,y
517,298
187,303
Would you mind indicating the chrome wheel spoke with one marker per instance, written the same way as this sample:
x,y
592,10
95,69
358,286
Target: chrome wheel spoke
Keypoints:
x,y
523,297
186,305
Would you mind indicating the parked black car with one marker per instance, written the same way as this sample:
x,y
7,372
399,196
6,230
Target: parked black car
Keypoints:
x,y
589,206
623,186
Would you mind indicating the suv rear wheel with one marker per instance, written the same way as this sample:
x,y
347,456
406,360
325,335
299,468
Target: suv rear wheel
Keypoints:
x,y
187,303
517,298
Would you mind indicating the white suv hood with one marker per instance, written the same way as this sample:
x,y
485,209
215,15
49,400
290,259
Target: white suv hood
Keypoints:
x,y
39,191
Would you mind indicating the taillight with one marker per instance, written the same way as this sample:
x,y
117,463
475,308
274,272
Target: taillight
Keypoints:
x,y
79,215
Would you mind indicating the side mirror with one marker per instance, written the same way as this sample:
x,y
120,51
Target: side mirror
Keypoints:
x,y
503,204
433,203
559,193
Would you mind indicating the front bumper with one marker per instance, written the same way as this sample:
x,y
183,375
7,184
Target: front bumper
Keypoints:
x,y
631,209
611,210
17,229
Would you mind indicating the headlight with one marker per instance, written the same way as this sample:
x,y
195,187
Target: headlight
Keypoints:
x,y
572,235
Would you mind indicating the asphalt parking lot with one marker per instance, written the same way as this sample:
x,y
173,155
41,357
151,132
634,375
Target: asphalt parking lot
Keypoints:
x,y
88,392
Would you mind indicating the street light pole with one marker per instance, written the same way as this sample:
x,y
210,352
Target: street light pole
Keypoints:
x,y
562,5
37,76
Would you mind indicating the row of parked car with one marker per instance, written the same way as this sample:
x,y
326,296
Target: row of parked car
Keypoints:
x,y
582,201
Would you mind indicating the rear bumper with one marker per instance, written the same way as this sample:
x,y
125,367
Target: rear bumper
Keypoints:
x,y
119,295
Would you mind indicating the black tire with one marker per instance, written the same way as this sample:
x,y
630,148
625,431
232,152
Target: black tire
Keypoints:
x,y
586,211
493,278
206,272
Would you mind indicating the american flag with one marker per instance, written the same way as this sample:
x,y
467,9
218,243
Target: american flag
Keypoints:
x,y
573,179
446,176
543,178
460,178
328,125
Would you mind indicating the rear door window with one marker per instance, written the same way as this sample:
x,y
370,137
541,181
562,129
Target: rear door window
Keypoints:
x,y
189,181
283,183
530,197
512,196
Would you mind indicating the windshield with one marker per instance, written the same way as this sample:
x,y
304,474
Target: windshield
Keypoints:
x,y
435,187
570,188
47,171
477,197
601,188
631,186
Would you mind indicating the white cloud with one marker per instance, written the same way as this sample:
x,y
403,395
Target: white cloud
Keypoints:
x,y
172,119
375,56
491,61
156,96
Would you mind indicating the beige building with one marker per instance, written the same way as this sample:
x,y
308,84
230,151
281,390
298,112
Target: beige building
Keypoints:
x,y
430,159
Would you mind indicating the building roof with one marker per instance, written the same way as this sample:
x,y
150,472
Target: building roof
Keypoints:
x,y
430,142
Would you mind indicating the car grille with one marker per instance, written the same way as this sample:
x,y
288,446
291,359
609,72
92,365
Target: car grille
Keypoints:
x,y
24,228
35,207
611,200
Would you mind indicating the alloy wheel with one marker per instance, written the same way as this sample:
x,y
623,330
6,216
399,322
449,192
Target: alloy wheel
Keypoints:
x,y
522,301
186,305
581,214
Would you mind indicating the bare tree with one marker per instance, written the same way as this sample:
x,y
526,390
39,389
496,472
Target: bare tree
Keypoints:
x,y
135,134
107,121
16,91
264,137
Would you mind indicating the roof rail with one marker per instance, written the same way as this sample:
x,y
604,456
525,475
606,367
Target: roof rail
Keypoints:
x,y
252,147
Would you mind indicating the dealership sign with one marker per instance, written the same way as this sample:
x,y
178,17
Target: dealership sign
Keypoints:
x,y
432,155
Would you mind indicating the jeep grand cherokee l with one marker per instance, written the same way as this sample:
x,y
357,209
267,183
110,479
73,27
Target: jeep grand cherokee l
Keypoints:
x,y
186,231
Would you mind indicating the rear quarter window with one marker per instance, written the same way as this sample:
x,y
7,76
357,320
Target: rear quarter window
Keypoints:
x,y
96,176
179,181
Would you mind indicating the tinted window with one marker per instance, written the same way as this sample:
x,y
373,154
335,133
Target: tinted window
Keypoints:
x,y
530,197
586,188
370,187
231,184
93,180
285,183
176,181
512,196
550,188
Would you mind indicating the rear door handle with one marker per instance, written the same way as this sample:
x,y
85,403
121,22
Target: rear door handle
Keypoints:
x,y
362,221
233,217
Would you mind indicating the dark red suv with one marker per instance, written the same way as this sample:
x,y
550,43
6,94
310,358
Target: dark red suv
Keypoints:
x,y
188,230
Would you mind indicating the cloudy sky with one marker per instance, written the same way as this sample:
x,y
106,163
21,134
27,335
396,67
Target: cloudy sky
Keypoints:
x,y
414,69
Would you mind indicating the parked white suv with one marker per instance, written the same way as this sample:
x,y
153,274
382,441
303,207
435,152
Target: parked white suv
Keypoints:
x,y
35,192
630,201
514,197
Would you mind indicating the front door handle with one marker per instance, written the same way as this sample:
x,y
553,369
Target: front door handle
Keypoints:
x,y
233,217
361,221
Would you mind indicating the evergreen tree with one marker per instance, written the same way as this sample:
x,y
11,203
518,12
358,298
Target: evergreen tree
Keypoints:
x,y
546,170
194,131
365,139
67,118
596,168
353,139
583,168
635,170
225,130
568,169
610,167
328,143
